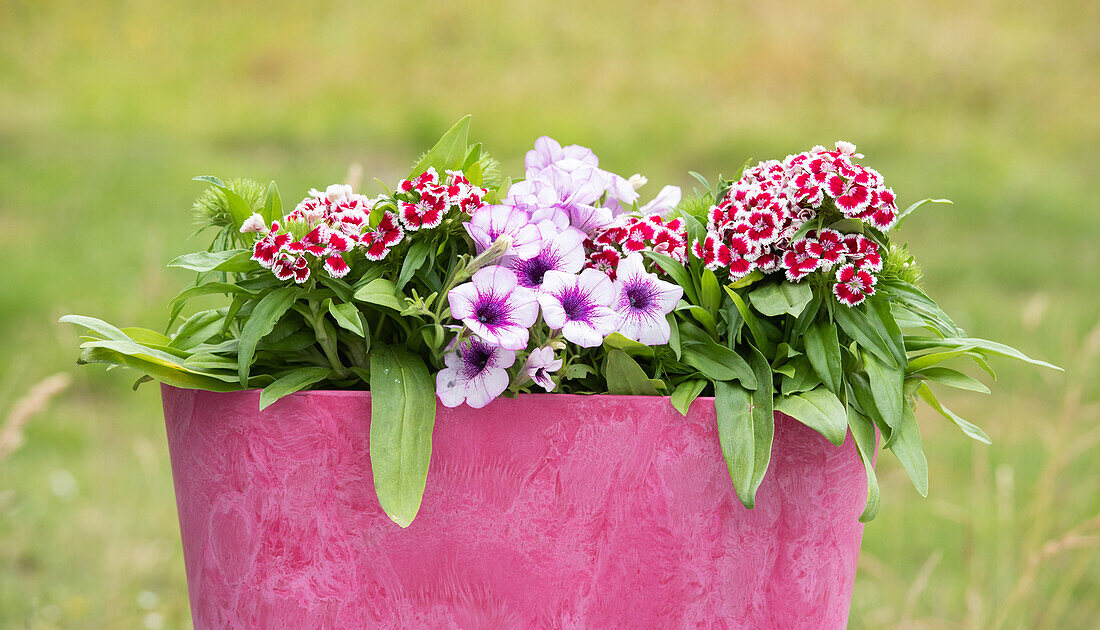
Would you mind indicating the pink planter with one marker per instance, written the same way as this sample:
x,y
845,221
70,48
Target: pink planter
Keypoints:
x,y
547,511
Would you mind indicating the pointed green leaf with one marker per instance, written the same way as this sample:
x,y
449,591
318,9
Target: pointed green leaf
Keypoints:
x,y
853,321
230,260
297,380
969,428
685,393
818,409
781,298
746,425
823,351
381,292
259,323
347,316
402,410
625,377
863,432
953,378
450,150
908,449
887,389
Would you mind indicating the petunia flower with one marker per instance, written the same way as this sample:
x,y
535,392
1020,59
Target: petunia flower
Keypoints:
x,y
578,306
476,373
488,223
561,251
642,300
495,307
549,151
539,365
853,285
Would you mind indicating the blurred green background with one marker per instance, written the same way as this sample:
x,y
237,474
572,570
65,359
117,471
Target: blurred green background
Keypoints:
x,y
107,109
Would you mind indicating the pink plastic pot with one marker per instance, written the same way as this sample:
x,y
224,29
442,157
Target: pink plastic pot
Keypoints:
x,y
547,511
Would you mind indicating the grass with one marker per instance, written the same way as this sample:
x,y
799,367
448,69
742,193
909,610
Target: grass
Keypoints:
x,y
108,109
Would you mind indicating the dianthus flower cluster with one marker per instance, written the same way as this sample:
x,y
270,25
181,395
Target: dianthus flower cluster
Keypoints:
x,y
324,227
759,224
425,200
629,234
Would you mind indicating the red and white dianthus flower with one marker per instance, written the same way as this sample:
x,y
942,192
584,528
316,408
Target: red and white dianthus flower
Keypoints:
x,y
630,234
853,285
426,199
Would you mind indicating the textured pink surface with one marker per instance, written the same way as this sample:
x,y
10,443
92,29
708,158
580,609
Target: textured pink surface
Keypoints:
x,y
547,511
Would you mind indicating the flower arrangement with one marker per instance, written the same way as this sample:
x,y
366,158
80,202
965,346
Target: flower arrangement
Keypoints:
x,y
776,292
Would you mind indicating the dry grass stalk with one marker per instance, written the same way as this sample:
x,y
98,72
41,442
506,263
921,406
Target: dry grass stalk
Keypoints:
x,y
33,402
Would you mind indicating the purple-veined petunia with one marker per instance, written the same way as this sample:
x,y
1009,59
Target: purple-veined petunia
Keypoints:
x,y
476,373
642,301
489,223
549,151
578,305
558,250
539,365
495,307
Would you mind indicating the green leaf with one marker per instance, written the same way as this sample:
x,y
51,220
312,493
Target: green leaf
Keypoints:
x,y
210,179
577,370
238,207
414,260
818,409
716,362
297,380
146,336
449,152
231,260
953,378
381,292
808,315
259,323
98,326
778,298
347,316
925,361
917,301
878,313
710,293
983,345
175,376
685,393
907,447
402,410
912,208
823,351
747,280
969,428
745,430
626,377
863,432
701,315
199,328
633,348
209,288
677,272
853,321
273,204
759,335
798,376
887,389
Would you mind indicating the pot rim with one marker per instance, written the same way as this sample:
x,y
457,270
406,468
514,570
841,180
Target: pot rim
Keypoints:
x,y
339,393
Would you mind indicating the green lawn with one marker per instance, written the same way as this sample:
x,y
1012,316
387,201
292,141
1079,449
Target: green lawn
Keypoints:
x,y
108,109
